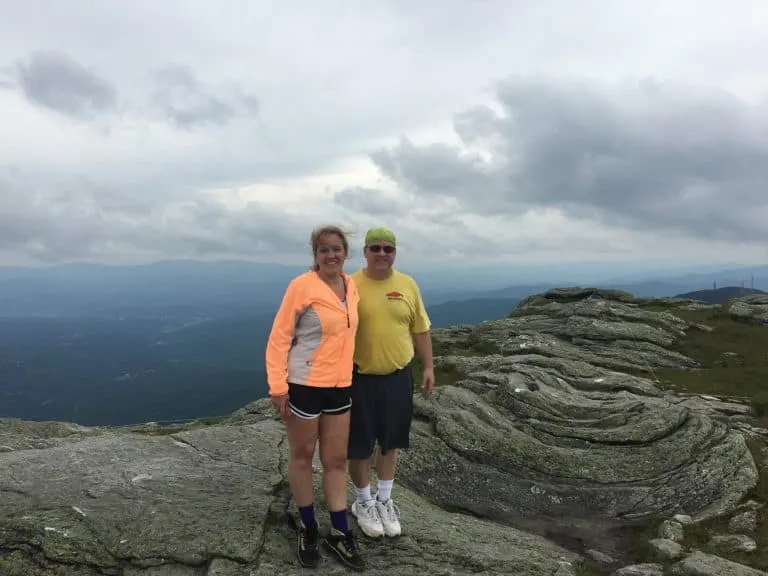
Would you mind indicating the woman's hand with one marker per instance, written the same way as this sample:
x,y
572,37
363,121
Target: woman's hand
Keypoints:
x,y
281,405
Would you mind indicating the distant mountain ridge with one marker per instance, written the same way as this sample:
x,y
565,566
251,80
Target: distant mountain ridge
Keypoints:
x,y
234,288
110,371
720,295
646,288
470,311
175,340
193,287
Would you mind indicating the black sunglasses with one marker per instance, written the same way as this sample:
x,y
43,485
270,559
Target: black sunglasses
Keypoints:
x,y
376,248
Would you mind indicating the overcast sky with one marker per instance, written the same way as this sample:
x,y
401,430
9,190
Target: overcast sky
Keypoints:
x,y
539,131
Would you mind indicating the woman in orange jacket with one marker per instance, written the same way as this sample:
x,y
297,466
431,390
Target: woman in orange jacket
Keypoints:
x,y
309,373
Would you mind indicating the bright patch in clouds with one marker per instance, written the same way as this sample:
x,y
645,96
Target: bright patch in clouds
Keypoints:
x,y
479,130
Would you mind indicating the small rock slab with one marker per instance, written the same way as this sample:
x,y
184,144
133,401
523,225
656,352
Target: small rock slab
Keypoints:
x,y
734,543
702,564
666,549
671,530
600,557
743,523
646,569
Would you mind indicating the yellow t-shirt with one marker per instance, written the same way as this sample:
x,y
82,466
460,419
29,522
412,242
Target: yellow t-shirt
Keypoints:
x,y
390,311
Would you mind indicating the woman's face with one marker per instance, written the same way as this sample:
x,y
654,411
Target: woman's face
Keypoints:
x,y
330,254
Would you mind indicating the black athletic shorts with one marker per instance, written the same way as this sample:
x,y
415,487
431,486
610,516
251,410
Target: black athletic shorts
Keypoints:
x,y
309,402
382,411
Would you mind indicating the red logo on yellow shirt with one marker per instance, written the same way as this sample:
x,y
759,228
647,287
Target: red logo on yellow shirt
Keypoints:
x,y
394,295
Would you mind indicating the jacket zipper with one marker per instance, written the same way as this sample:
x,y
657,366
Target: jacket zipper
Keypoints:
x,y
349,324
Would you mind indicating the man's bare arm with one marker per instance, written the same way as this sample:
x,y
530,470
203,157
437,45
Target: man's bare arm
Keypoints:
x,y
422,344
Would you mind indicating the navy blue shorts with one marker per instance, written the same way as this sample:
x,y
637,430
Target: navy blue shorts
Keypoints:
x,y
310,402
382,412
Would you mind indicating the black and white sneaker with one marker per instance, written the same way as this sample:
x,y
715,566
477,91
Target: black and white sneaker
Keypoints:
x,y
344,547
306,545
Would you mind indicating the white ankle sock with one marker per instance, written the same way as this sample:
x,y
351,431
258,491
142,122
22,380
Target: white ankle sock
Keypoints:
x,y
363,494
385,490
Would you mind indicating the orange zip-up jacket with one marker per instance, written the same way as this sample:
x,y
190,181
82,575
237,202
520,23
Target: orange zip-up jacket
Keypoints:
x,y
312,341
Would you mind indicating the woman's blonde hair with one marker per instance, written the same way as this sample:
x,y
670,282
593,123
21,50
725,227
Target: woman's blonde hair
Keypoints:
x,y
328,230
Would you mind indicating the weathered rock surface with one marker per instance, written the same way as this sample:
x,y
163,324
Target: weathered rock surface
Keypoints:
x,y
551,428
734,542
745,522
209,501
645,569
702,564
671,530
751,308
114,501
666,549
548,447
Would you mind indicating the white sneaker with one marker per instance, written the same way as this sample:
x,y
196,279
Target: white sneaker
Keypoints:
x,y
390,517
367,516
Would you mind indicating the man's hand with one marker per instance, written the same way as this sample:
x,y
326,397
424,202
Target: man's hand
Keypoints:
x,y
427,382
281,405
422,343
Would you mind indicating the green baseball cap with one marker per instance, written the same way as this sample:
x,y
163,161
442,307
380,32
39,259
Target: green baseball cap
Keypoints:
x,y
380,235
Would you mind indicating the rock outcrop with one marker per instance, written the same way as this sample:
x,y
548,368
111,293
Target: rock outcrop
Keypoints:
x,y
553,441
752,308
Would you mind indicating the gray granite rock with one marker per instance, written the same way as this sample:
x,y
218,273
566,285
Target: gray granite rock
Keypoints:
x,y
703,564
752,308
666,549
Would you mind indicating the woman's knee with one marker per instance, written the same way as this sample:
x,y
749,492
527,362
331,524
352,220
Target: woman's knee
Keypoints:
x,y
302,453
302,439
333,457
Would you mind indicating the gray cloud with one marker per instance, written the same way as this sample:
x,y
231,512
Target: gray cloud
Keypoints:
x,y
646,156
187,102
452,237
7,80
370,201
252,103
55,81
82,219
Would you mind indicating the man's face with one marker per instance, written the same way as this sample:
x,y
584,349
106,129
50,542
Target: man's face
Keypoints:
x,y
380,256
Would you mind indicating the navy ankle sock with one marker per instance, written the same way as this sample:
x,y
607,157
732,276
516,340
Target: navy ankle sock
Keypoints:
x,y
339,521
307,514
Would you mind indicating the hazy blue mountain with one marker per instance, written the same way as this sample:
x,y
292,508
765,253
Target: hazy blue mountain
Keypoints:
x,y
470,311
207,288
238,287
720,295
666,286
176,340
650,287
145,366
108,371
517,292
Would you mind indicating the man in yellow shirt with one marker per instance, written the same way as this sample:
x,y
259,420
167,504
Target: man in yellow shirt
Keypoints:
x,y
393,325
